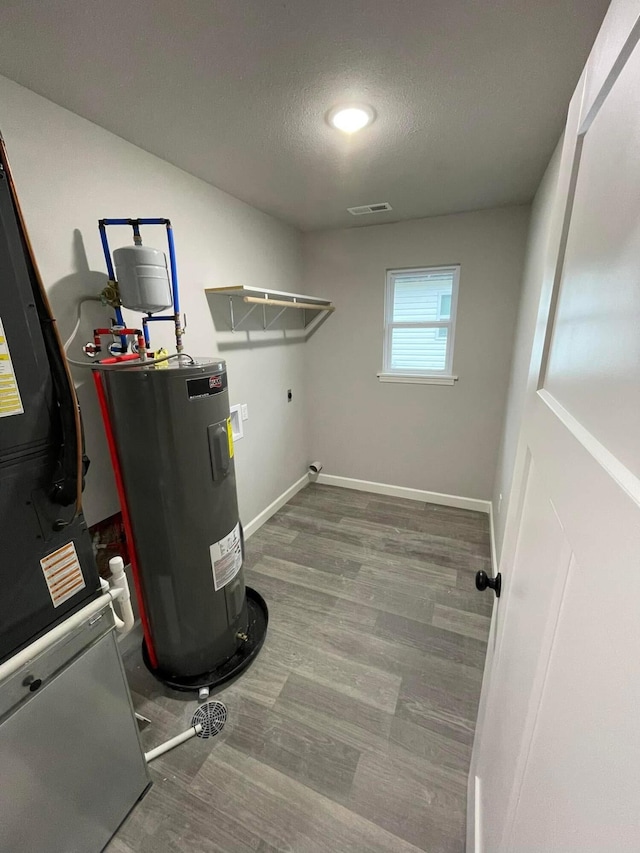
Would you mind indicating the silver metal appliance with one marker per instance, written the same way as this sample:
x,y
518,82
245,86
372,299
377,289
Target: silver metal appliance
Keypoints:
x,y
175,451
72,763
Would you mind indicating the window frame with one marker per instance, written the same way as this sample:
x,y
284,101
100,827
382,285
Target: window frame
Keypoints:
x,y
444,376
440,298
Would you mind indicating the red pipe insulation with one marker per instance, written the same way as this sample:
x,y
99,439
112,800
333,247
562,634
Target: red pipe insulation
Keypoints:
x,y
126,518
117,358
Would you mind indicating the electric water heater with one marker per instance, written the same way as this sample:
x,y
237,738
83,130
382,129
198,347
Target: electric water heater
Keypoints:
x,y
176,458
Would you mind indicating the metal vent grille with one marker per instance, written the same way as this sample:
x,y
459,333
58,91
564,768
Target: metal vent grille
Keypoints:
x,y
369,208
212,716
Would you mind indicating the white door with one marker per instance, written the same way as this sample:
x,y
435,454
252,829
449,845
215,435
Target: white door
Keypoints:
x,y
556,763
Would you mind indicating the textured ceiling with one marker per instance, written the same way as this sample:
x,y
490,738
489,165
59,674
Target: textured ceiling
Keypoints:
x,y
470,94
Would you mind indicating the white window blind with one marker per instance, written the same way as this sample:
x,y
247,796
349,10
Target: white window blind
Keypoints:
x,y
420,309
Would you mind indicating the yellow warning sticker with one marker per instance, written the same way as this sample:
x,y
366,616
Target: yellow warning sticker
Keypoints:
x,y
10,400
230,437
63,574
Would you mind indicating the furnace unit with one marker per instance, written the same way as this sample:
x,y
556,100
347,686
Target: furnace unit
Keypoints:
x,y
47,567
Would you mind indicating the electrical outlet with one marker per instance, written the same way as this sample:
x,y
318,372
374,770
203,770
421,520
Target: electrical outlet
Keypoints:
x,y
289,395
245,412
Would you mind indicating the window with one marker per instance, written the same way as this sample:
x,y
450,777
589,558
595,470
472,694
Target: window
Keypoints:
x,y
420,316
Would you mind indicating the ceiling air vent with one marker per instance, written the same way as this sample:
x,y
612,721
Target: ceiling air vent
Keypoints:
x,y
369,208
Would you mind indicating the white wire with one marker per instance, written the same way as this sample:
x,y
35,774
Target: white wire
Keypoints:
x,y
69,340
123,365
79,363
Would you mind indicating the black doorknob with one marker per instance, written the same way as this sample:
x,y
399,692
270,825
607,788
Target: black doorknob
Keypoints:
x,y
483,581
32,683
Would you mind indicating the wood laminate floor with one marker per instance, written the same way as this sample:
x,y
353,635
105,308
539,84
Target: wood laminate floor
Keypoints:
x,y
352,731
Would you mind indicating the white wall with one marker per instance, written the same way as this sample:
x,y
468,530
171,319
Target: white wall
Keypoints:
x,y
438,438
528,312
69,173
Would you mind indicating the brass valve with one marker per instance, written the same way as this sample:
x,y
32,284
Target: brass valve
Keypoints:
x,y
110,295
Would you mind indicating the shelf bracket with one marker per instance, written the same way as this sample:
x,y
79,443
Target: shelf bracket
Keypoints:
x,y
232,319
273,319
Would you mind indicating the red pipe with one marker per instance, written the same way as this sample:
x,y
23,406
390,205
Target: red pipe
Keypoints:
x,y
132,356
142,346
126,518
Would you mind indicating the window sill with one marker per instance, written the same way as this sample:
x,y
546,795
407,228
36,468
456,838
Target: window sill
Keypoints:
x,y
412,379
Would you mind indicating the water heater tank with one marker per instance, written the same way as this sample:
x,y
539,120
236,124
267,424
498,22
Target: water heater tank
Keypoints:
x,y
175,450
143,279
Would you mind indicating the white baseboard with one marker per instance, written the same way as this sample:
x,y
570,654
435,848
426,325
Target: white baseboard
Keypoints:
x,y
257,522
477,821
405,492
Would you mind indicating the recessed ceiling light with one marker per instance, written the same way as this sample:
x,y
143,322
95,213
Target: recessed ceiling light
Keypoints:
x,y
351,117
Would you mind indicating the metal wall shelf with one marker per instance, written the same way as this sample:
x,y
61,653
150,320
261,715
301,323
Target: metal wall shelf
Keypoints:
x,y
255,296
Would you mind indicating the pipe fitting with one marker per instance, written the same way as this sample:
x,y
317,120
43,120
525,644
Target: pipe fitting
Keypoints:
x,y
119,581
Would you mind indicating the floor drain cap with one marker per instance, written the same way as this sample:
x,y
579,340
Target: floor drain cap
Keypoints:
x,y
212,716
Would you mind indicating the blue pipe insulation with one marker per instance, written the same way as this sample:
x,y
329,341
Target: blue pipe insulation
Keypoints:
x,y
120,321
174,268
145,331
105,249
155,318
154,221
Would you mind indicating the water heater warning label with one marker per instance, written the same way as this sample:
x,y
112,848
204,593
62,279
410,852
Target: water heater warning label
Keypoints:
x,y
63,574
226,558
10,401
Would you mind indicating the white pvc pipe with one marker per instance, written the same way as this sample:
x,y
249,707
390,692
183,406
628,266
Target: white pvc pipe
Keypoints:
x,y
47,640
119,581
174,741
104,585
